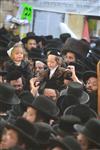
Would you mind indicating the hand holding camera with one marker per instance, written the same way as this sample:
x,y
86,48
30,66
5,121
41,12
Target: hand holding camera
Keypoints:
x,y
70,72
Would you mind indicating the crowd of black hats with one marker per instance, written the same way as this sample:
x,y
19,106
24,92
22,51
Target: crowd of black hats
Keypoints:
x,y
83,49
59,123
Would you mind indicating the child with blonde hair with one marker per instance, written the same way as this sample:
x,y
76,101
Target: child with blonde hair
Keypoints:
x,y
19,62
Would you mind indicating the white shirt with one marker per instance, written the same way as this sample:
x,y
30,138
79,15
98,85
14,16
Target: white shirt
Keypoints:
x,y
52,71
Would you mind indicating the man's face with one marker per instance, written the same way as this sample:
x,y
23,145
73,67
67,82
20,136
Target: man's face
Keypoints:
x,y
70,57
39,66
50,93
18,84
31,43
30,114
9,139
82,140
92,84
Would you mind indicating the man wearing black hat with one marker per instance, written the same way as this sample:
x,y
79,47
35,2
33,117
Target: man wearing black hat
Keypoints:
x,y
66,143
74,51
64,37
43,109
91,86
89,134
17,111
14,78
8,98
30,41
20,133
64,126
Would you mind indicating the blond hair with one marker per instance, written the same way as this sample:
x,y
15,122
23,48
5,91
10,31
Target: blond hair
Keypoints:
x,y
17,45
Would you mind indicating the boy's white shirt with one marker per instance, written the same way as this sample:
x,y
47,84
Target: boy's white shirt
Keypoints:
x,y
52,71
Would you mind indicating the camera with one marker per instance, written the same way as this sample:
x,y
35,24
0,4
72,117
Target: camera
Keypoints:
x,y
68,74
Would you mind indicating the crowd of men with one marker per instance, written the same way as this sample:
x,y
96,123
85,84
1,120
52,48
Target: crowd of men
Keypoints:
x,y
48,92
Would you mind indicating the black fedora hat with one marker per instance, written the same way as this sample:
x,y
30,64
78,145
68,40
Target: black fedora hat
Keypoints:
x,y
67,143
88,74
8,95
65,101
44,133
82,111
72,143
28,37
53,44
24,127
46,105
91,130
36,54
26,97
65,125
76,89
64,37
13,75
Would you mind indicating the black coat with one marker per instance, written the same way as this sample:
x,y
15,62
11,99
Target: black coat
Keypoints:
x,y
56,81
23,68
16,112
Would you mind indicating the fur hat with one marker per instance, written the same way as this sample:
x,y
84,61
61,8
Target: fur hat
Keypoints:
x,y
76,46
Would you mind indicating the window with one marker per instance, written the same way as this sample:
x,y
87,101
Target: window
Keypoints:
x,y
47,23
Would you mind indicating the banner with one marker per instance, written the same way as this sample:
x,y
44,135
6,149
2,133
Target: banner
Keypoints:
x,y
82,7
